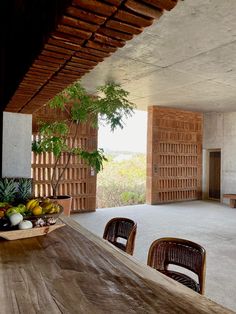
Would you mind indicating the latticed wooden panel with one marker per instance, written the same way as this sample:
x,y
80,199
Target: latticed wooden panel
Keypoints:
x,y
174,160
79,180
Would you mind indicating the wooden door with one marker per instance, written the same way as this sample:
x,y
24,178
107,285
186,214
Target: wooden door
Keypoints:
x,y
214,175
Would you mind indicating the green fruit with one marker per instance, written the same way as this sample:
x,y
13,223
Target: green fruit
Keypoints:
x,y
11,211
21,208
3,204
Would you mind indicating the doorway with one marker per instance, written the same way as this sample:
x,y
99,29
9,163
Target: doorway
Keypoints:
x,y
214,174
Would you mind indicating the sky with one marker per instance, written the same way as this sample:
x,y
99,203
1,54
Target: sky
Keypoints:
x,y
132,138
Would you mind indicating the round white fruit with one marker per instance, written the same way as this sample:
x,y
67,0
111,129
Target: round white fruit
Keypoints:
x,y
15,219
25,224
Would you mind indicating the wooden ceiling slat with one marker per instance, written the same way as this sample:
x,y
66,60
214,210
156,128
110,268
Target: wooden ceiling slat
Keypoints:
x,y
114,2
88,32
70,21
43,67
69,77
62,86
40,72
63,44
51,90
114,34
50,59
85,16
49,65
74,31
28,79
36,77
28,87
133,19
75,69
67,38
83,61
102,47
108,40
65,81
54,54
69,72
80,65
162,4
50,87
37,80
95,6
95,52
143,9
123,27
55,83
57,49
86,56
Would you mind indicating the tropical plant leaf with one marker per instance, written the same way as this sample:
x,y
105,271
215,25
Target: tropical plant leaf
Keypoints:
x,y
24,189
8,190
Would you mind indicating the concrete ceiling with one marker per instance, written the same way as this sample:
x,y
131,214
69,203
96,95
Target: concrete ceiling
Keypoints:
x,y
187,60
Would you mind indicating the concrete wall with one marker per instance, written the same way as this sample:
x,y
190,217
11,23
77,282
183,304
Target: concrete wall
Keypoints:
x,y
220,133
16,145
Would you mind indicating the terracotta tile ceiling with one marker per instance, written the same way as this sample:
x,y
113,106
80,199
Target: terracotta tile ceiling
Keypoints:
x,y
88,32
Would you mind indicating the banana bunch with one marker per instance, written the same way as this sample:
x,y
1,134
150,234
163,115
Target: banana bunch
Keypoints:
x,y
42,206
50,208
32,204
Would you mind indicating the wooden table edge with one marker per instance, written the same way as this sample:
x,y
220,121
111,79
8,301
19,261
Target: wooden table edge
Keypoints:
x,y
145,272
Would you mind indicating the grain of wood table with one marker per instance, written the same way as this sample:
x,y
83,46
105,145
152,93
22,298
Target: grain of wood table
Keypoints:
x,y
73,271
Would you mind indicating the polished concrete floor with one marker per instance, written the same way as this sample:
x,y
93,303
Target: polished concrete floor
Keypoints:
x,y
211,224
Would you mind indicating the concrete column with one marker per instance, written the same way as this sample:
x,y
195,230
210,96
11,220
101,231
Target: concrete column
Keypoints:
x,y
16,145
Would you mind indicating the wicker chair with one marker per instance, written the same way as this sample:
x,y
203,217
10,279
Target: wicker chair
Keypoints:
x,y
121,228
180,252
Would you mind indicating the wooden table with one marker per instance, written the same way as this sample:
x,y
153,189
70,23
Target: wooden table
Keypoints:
x,y
232,199
72,271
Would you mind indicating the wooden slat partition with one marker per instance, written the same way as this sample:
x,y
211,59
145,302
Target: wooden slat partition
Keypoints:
x,y
174,160
78,181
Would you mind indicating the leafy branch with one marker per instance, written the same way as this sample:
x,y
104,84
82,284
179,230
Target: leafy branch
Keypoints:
x,y
110,107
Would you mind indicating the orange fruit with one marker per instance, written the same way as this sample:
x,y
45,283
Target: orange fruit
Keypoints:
x,y
37,210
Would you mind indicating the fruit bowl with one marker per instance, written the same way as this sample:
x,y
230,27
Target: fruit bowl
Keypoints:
x,y
36,213
44,219
44,216
29,233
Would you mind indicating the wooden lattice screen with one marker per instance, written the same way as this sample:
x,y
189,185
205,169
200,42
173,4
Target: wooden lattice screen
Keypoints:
x,y
79,181
174,159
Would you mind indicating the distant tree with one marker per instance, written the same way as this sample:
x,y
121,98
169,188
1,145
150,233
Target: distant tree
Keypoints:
x,y
122,183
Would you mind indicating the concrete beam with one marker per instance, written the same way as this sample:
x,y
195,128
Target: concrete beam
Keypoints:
x,y
16,145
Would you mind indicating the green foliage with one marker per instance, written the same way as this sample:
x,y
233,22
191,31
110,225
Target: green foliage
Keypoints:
x,y
15,190
24,190
114,106
109,108
8,190
95,159
122,183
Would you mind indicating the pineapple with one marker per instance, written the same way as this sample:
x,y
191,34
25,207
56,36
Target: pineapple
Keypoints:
x,y
8,189
24,190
